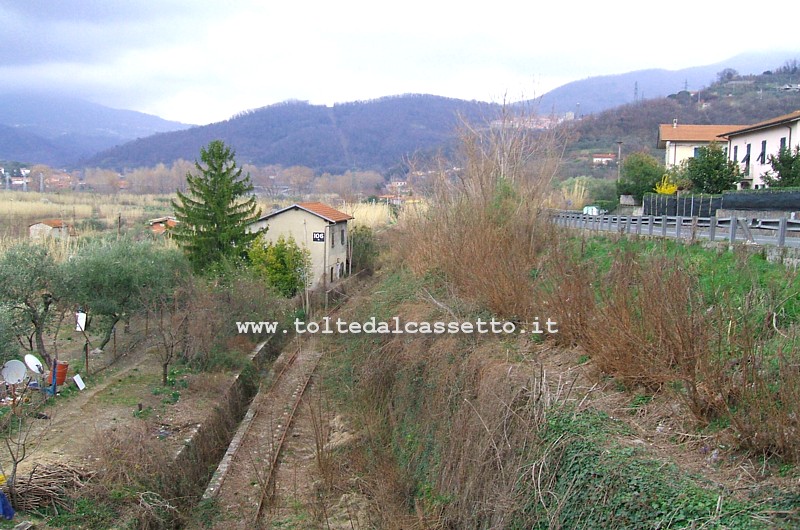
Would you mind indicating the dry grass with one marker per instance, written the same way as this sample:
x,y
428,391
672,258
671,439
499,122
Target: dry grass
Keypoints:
x,y
20,209
484,229
647,324
651,327
372,215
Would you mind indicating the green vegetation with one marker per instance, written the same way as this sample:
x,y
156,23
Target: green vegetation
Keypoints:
x,y
710,171
283,264
641,173
114,279
785,168
364,247
599,483
29,278
215,211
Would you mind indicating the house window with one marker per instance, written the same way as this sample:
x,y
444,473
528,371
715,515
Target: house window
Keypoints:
x,y
343,237
696,152
762,156
333,239
783,143
736,153
746,160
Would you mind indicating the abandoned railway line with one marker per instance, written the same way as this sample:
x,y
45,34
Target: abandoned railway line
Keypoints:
x,y
248,484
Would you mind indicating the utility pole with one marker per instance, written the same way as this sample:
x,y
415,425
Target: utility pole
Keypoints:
x,y
619,159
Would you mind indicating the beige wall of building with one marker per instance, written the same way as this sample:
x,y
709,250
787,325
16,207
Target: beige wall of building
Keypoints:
x,y
329,256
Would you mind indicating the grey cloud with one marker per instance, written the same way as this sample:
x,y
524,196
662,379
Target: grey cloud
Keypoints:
x,y
42,31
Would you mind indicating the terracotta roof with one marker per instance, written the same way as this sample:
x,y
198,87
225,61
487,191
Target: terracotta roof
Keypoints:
x,y
668,132
53,223
780,120
324,211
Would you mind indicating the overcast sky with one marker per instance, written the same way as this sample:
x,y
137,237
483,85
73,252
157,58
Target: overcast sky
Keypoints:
x,y
200,61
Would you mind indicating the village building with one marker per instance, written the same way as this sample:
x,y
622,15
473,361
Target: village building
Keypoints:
x,y
55,228
323,230
159,225
751,146
681,141
603,159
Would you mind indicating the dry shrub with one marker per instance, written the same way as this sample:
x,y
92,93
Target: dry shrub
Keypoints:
x,y
565,294
484,228
215,309
491,439
132,459
754,383
650,327
134,468
766,411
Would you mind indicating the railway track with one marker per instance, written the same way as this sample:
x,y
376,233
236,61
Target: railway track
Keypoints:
x,y
247,487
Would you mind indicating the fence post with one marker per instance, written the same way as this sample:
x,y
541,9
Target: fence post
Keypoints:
x,y
664,225
650,221
782,232
712,228
678,226
628,220
732,233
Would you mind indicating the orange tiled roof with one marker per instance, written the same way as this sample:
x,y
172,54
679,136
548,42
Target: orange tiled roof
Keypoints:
x,y
668,132
53,223
325,211
786,118
319,209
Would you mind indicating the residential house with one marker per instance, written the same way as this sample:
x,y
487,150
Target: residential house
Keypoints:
x,y
681,141
751,146
159,225
323,230
603,159
50,228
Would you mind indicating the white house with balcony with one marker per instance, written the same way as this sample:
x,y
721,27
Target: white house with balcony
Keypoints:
x,y
752,145
681,141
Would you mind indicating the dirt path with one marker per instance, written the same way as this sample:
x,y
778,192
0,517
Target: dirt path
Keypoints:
x,y
74,421
269,476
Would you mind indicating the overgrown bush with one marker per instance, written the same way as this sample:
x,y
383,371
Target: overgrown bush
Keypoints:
x,y
216,307
365,248
484,229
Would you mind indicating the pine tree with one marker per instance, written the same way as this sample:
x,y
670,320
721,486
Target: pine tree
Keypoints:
x,y
214,213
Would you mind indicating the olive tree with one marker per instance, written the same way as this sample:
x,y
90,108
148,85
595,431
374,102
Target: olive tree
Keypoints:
x,y
114,279
29,282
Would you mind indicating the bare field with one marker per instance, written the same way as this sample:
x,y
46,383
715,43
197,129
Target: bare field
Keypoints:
x,y
87,212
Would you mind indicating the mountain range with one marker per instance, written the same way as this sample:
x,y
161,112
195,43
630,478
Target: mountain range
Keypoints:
x,y
376,134
47,128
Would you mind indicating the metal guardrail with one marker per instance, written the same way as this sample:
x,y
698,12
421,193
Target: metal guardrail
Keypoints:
x,y
777,232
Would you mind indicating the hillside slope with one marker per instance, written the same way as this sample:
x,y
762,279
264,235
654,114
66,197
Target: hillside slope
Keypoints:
x,y
375,134
59,130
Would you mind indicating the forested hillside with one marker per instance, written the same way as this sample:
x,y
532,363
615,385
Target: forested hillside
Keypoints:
x,y
375,134
733,99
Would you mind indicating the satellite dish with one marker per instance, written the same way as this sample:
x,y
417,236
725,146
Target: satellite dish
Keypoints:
x,y
13,372
34,364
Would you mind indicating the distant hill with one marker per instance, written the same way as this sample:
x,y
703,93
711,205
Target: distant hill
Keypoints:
x,y
739,100
16,144
596,94
379,134
57,130
375,134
